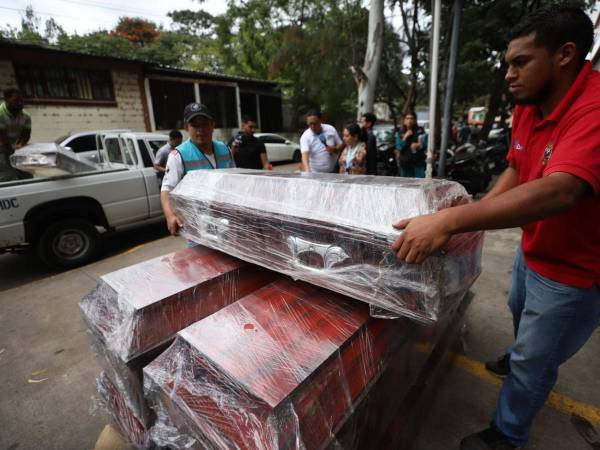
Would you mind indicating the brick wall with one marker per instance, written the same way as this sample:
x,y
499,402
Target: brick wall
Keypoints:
x,y
51,121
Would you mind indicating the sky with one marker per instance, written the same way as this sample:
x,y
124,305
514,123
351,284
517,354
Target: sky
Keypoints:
x,y
83,16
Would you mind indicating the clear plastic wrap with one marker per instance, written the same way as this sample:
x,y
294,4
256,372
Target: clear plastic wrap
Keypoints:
x,y
49,160
135,312
291,366
332,230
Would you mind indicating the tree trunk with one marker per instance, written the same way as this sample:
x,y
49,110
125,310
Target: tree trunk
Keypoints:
x,y
494,102
366,78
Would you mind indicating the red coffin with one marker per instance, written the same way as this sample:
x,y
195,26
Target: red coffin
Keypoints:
x,y
140,307
135,312
284,367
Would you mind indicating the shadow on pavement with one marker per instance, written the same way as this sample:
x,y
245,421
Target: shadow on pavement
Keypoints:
x,y
17,270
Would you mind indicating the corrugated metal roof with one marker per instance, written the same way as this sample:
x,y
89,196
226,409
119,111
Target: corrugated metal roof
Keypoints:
x,y
149,66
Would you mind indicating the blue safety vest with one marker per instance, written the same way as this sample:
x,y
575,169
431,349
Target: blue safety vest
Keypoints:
x,y
193,157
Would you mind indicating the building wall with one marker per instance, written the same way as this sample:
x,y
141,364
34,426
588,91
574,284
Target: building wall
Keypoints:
x,y
52,121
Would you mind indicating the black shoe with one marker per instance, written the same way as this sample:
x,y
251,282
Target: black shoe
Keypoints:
x,y
500,367
489,439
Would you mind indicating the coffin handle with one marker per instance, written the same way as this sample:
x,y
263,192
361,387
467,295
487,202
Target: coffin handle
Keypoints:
x,y
330,254
212,228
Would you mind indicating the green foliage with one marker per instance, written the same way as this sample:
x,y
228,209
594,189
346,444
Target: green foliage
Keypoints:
x,y
308,47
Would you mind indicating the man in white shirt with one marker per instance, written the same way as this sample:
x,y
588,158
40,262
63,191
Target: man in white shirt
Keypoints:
x,y
320,145
162,154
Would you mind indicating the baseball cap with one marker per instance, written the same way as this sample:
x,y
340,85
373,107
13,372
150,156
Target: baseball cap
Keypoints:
x,y
196,109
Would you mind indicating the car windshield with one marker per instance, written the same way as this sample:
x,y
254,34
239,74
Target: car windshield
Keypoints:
x,y
60,139
384,135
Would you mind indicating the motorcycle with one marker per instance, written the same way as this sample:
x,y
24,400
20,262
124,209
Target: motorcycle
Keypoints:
x,y
466,165
386,161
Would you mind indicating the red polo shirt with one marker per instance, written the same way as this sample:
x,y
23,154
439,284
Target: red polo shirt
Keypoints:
x,y
566,247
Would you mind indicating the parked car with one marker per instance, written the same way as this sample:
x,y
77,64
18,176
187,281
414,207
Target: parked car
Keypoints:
x,y
88,144
60,217
280,148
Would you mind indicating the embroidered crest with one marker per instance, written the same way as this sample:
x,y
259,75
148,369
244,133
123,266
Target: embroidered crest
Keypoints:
x,y
518,146
547,153
195,107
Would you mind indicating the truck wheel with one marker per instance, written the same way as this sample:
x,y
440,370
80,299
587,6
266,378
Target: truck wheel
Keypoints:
x,y
297,156
68,243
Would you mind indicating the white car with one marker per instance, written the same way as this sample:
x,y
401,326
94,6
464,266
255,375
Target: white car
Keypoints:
x,y
280,148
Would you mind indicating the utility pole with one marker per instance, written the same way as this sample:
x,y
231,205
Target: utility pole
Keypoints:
x,y
446,122
435,54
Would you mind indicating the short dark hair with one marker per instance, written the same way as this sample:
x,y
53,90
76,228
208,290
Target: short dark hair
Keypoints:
x,y
410,113
248,118
370,117
175,134
353,128
314,112
11,91
555,25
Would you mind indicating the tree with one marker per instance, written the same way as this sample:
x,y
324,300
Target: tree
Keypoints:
x,y
136,30
366,78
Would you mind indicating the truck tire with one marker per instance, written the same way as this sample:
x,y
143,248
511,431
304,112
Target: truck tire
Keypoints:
x,y
297,156
68,243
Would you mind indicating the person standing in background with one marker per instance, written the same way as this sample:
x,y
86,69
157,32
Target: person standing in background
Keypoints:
x,y
162,154
15,131
367,122
249,152
320,145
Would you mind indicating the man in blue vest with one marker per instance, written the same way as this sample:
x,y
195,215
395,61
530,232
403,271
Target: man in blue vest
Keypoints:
x,y
199,152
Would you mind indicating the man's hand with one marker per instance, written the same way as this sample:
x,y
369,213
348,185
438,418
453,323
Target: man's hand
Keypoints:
x,y
422,237
174,223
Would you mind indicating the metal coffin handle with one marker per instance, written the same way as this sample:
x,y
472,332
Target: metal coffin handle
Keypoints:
x,y
212,228
331,254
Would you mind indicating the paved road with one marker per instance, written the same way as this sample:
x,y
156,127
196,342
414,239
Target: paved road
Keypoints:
x,y
19,270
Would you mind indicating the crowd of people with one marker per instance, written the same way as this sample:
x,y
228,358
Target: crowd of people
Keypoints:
x,y
323,151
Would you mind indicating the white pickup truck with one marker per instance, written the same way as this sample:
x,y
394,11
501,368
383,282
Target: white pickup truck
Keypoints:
x,y
61,217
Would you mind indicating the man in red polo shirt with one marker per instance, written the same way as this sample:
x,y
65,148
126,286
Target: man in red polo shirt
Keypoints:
x,y
552,190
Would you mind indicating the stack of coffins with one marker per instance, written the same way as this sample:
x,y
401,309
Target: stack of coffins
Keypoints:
x,y
287,364
332,231
134,314
294,366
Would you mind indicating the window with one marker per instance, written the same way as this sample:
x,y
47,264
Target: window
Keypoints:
x,y
272,139
82,143
222,101
147,154
155,145
270,113
56,82
114,150
248,104
168,101
130,154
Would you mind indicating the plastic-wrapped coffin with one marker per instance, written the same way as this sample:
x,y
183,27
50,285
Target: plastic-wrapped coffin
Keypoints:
x,y
333,231
283,368
49,160
135,312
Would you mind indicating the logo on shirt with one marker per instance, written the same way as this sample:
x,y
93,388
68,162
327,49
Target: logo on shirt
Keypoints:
x,y
518,146
547,153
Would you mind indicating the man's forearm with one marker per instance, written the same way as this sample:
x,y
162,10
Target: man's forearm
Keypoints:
x,y
305,164
166,205
523,204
